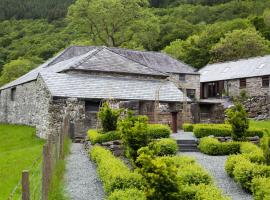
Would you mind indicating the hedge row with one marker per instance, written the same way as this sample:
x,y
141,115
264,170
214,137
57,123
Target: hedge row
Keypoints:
x,y
212,146
114,174
163,147
261,188
223,130
96,137
128,194
157,131
188,127
248,168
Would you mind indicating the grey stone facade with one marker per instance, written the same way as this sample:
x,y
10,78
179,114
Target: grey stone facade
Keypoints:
x,y
258,107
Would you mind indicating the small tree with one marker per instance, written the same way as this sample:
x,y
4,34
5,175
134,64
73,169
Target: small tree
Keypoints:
x,y
265,145
108,117
237,117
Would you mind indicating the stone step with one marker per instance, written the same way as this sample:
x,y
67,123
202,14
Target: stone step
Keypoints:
x,y
188,145
186,141
189,150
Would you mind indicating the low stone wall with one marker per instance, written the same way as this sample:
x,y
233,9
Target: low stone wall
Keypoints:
x,y
258,107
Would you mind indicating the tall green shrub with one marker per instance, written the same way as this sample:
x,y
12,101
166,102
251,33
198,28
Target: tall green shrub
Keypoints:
x,y
238,118
108,117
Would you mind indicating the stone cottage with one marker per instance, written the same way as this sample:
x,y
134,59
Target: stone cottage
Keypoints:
x,y
247,76
72,86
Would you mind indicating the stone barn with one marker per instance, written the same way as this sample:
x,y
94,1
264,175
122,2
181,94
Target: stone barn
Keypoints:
x,y
72,86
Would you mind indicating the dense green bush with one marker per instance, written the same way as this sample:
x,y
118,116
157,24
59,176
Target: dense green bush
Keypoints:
x,y
237,117
96,137
108,117
252,152
157,131
212,146
128,194
232,161
163,147
251,132
188,127
113,172
261,188
217,130
265,144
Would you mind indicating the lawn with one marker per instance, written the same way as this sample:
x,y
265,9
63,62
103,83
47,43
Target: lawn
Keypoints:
x,y
260,124
19,148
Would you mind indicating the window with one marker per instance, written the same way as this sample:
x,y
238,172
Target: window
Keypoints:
x,y
191,93
265,81
13,94
182,77
243,83
92,106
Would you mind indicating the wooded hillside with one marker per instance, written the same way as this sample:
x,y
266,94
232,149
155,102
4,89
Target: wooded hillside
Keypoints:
x,y
195,31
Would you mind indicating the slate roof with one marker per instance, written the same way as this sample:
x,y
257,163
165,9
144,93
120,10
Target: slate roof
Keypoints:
x,y
105,87
252,67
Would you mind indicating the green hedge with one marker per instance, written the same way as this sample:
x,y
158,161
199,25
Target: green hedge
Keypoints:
x,y
212,146
114,174
261,188
188,127
217,130
164,147
128,194
157,131
96,137
252,152
223,130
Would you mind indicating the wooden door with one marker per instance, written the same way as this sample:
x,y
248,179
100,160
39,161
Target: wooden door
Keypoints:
x,y
174,122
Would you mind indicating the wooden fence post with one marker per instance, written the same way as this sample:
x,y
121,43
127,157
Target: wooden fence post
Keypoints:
x,y
45,172
25,185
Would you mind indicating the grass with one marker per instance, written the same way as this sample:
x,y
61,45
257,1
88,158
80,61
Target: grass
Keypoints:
x,y
19,148
260,124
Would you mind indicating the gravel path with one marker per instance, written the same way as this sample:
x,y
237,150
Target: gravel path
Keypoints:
x,y
82,182
216,166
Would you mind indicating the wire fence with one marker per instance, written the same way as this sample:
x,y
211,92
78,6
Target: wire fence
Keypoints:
x,y
35,181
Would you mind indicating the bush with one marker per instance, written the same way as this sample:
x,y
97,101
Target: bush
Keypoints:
x,y
163,147
108,117
157,131
237,117
261,188
130,194
114,174
96,137
265,144
252,152
232,161
188,127
251,132
212,146
217,130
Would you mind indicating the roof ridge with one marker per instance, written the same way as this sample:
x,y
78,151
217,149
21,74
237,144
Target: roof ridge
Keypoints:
x,y
108,48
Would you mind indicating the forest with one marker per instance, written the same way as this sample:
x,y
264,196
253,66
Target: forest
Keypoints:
x,y
196,32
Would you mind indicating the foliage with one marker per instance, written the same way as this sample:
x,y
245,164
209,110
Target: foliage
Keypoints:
x,y
217,130
188,127
17,143
96,137
265,145
159,174
130,194
238,118
265,125
212,146
108,117
157,131
114,174
261,188
239,44
134,133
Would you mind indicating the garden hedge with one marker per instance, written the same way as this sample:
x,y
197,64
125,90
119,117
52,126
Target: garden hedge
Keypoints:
x,y
157,131
128,194
114,174
212,146
96,137
164,147
261,188
188,127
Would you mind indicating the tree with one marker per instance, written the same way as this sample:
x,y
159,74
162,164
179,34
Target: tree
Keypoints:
x,y
17,68
238,119
114,22
239,44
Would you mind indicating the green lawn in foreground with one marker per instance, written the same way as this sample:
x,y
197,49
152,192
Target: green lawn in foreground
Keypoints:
x,y
260,124
19,148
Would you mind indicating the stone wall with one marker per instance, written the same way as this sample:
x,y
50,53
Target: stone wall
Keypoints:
x,y
253,88
258,107
29,107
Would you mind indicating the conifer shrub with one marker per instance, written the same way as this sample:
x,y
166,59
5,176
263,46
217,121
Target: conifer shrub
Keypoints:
x,y
157,131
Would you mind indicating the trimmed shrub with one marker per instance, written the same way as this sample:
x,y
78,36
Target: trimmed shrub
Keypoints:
x,y
114,174
96,137
130,194
212,146
252,152
261,188
188,127
164,147
157,131
232,161
181,161
265,144
217,130
252,132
